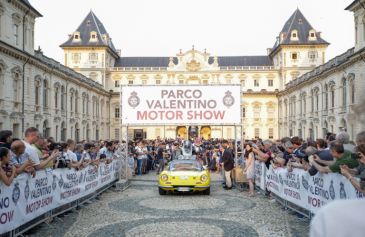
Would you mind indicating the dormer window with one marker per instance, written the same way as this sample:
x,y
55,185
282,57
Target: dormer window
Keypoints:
x,y
294,35
76,36
93,36
312,35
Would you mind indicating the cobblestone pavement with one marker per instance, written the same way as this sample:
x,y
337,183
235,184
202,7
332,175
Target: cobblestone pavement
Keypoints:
x,y
141,211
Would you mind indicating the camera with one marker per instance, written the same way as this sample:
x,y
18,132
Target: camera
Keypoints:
x,y
7,168
356,156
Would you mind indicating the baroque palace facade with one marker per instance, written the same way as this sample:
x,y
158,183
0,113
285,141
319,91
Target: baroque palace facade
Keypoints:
x,y
290,91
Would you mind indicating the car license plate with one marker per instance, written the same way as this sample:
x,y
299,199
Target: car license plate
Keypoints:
x,y
184,177
183,189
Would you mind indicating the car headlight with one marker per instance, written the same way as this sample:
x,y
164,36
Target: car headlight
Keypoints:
x,y
164,177
203,178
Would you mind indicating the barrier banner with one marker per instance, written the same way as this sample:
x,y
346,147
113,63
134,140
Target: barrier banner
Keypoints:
x,y
324,188
27,198
273,183
260,174
295,185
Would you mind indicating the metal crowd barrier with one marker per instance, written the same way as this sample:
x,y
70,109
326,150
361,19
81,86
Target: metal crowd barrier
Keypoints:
x,y
56,212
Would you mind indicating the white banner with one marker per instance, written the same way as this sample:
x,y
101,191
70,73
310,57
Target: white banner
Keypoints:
x,y
273,183
295,185
260,174
309,192
184,104
27,197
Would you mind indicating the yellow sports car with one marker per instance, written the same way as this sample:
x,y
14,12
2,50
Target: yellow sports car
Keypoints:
x,y
184,176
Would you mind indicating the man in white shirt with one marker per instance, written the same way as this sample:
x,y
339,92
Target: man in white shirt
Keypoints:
x,y
107,150
340,218
71,155
31,137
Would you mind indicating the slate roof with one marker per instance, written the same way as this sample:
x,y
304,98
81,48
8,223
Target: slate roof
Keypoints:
x,y
298,22
89,24
245,61
27,3
222,61
352,4
143,62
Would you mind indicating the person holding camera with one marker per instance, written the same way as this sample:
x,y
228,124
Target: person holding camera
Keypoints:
x,y
7,171
21,160
341,156
62,160
360,170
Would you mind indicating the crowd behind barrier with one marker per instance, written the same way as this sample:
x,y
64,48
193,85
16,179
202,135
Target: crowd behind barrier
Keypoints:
x,y
27,198
38,175
304,191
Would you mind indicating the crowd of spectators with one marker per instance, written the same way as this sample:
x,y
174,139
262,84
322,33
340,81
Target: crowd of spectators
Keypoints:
x,y
35,152
335,153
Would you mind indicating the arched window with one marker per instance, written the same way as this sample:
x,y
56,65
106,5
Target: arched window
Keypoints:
x,y
352,89
45,93
304,96
87,104
37,90
16,84
76,101
56,95
326,97
315,99
72,99
83,103
77,132
16,23
344,92
1,80
63,98
63,131
332,93
87,132
46,129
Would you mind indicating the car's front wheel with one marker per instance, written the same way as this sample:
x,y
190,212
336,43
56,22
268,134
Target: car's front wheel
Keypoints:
x,y
206,191
161,191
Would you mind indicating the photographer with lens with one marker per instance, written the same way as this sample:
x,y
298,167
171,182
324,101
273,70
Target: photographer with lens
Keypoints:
x,y
359,171
62,161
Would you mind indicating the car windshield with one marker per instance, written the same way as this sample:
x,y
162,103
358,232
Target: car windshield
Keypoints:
x,y
185,166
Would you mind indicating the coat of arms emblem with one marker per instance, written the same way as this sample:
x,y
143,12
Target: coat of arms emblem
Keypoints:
x,y
332,191
16,193
26,190
228,99
60,182
305,183
133,100
54,182
342,191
